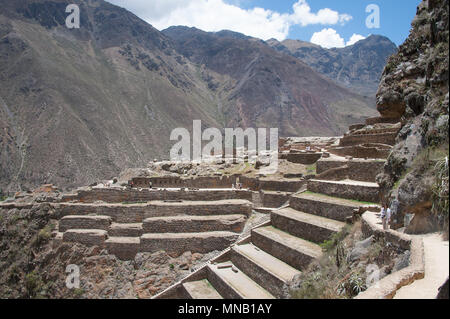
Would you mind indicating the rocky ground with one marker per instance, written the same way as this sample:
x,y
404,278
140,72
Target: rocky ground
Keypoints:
x,y
31,267
349,266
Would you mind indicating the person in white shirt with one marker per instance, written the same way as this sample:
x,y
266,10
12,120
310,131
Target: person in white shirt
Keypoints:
x,y
385,216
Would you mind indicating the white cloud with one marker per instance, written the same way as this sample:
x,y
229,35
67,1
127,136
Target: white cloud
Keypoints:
x,y
329,38
355,38
217,15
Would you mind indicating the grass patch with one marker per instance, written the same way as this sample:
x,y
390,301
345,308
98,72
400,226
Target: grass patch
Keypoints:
x,y
330,244
362,203
311,169
133,203
331,276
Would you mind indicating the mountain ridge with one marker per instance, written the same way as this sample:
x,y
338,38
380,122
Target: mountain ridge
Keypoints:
x,y
82,105
347,66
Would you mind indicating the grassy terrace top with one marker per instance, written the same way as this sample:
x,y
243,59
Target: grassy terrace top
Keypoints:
x,y
341,199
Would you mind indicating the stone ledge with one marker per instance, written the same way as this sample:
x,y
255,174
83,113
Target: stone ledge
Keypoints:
x,y
389,285
84,222
194,224
88,237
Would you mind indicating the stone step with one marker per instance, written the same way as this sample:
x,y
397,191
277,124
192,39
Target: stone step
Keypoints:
x,y
125,230
125,248
323,205
84,222
232,283
88,237
307,226
294,251
357,169
201,289
177,243
269,272
348,189
194,224
136,213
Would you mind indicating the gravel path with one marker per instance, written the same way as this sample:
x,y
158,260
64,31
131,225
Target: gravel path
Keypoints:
x,y
436,270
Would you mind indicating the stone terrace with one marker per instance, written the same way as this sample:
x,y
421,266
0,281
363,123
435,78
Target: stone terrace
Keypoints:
x,y
261,265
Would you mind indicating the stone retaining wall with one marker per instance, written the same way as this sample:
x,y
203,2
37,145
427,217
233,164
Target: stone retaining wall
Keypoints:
x,y
357,170
179,243
138,212
86,237
275,200
304,158
194,224
117,195
84,222
348,191
256,184
360,151
376,120
389,285
350,140
325,209
178,182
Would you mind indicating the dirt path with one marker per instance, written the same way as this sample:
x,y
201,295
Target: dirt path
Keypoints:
x,y
436,270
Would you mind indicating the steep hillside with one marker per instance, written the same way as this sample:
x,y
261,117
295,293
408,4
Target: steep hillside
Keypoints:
x,y
414,89
270,88
78,105
357,67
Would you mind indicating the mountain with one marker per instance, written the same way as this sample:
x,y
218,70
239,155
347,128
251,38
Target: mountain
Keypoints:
x,y
78,105
357,67
269,88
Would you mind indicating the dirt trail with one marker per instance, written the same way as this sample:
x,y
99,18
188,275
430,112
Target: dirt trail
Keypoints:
x,y
436,270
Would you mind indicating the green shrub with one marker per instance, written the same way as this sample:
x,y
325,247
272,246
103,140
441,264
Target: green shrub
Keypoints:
x,y
330,244
33,284
43,236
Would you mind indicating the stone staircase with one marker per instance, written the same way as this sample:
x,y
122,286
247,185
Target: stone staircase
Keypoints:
x,y
261,265
125,229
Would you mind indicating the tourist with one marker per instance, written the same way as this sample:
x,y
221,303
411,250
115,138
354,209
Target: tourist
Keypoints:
x,y
388,217
383,215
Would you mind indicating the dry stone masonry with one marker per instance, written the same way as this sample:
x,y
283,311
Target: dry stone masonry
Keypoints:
x,y
263,263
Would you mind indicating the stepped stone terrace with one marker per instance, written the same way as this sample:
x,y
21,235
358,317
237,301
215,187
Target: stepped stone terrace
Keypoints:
x,y
266,232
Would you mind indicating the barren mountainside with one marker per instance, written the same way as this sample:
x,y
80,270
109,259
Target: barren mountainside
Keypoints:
x,y
357,67
79,105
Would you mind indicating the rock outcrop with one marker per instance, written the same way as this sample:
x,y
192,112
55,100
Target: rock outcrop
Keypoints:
x,y
414,91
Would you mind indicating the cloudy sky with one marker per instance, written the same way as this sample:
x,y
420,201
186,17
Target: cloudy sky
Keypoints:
x,y
329,23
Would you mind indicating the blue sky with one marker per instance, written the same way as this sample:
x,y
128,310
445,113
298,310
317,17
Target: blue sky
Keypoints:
x,y
395,16
329,23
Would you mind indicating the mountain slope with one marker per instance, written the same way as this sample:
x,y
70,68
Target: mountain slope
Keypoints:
x,y
87,103
357,67
80,105
272,88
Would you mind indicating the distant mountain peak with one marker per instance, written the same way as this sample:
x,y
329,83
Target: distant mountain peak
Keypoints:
x,y
357,67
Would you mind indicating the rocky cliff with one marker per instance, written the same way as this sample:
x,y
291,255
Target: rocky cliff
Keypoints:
x,y
414,89
357,67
